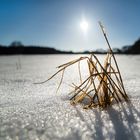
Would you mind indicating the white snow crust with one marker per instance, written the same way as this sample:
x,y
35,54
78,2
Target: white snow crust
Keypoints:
x,y
37,112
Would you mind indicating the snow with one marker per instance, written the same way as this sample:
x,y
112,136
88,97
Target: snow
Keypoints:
x,y
37,112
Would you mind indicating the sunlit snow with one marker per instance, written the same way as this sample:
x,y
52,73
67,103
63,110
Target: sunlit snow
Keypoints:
x,y
37,112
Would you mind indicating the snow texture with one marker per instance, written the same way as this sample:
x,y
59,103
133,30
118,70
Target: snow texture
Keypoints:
x,y
37,112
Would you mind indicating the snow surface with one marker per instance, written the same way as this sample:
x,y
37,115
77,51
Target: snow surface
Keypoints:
x,y
37,112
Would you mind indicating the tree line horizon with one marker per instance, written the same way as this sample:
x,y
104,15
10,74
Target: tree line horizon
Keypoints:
x,y
16,47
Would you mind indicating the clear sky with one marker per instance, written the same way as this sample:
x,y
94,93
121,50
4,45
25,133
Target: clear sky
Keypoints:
x,y
56,23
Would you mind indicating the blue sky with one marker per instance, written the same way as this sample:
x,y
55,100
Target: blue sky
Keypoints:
x,y
56,23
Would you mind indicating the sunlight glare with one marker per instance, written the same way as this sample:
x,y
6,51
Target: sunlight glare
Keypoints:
x,y
84,25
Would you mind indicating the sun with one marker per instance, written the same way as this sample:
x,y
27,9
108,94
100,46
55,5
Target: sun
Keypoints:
x,y
84,25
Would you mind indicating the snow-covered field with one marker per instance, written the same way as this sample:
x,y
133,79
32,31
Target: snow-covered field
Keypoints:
x,y
37,112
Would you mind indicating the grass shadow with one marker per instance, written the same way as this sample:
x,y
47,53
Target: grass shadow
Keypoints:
x,y
124,122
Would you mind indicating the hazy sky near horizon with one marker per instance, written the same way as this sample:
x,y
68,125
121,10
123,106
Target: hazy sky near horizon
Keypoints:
x,y
56,23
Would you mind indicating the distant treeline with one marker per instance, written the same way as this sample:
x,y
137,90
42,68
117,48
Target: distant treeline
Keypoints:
x,y
18,48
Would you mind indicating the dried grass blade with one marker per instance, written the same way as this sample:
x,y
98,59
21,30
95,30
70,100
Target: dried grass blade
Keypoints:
x,y
61,80
119,82
104,33
50,77
79,72
78,87
110,79
72,62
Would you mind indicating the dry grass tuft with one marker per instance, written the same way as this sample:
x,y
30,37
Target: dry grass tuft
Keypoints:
x,y
103,85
